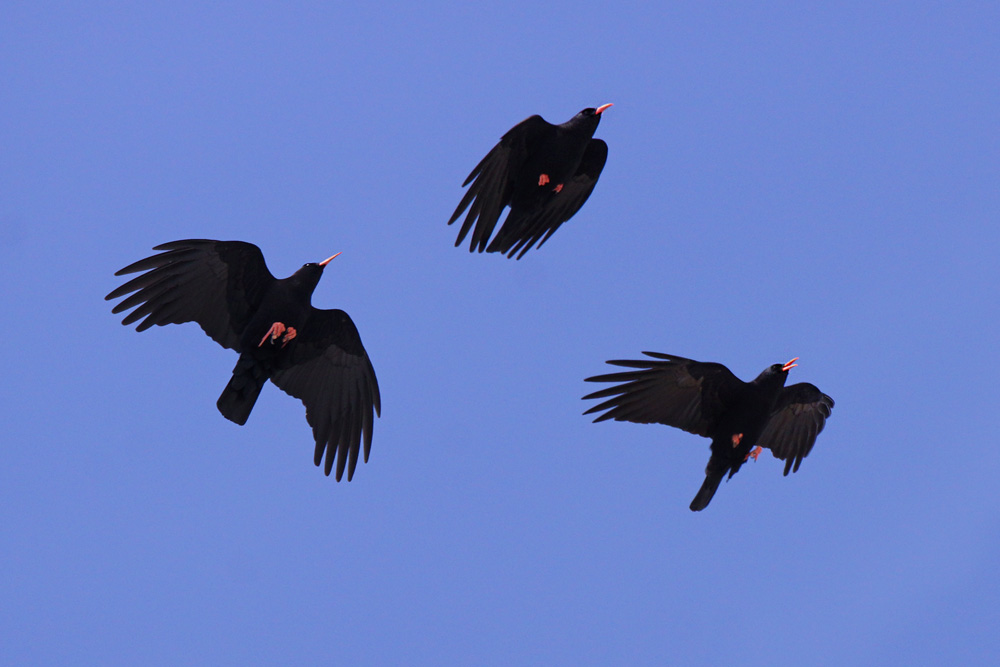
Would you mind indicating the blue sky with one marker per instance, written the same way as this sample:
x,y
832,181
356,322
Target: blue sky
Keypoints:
x,y
782,182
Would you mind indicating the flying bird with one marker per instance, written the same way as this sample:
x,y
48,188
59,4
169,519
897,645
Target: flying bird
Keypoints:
x,y
706,399
544,172
313,354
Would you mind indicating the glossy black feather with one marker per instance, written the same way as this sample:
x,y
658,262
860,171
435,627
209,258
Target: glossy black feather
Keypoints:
x,y
797,418
708,400
226,288
522,230
218,284
675,391
330,372
510,175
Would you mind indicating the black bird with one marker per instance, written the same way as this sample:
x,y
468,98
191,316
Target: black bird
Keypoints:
x,y
708,400
544,172
312,354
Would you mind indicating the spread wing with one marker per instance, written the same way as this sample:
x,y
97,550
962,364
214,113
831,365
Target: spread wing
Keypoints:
x,y
520,231
797,418
329,371
493,181
218,284
675,391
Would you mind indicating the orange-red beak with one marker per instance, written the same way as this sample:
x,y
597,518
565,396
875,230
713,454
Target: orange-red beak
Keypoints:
x,y
603,107
328,259
790,364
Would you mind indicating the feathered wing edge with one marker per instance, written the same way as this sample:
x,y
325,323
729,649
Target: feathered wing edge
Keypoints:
x,y
796,421
332,375
217,284
520,232
492,182
674,391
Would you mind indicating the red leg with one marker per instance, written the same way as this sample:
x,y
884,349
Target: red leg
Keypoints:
x,y
754,453
290,333
558,188
543,179
736,439
273,333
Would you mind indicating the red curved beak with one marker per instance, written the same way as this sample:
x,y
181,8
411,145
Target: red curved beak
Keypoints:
x,y
328,259
603,107
790,364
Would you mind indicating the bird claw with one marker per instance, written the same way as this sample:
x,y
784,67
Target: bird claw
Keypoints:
x,y
754,453
558,188
290,333
736,439
543,179
276,330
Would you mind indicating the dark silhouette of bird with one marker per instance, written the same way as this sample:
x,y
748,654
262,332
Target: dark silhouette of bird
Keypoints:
x,y
312,354
544,172
708,400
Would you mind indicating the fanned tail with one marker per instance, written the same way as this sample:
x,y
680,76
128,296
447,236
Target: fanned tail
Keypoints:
x,y
240,395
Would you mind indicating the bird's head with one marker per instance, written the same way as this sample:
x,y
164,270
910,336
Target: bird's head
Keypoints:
x,y
310,273
776,372
590,117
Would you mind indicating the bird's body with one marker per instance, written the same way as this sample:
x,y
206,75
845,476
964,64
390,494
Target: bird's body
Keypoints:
x,y
312,354
287,302
708,400
738,429
543,172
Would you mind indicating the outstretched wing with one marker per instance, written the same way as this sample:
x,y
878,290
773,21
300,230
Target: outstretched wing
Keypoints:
x,y
675,391
493,181
798,417
218,284
329,371
520,231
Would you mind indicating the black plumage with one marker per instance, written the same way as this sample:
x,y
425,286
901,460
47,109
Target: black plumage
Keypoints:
x,y
708,400
543,172
312,354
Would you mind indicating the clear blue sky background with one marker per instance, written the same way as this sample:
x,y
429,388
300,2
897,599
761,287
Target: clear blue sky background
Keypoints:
x,y
782,182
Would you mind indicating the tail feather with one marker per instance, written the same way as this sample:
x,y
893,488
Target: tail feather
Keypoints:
x,y
706,492
238,398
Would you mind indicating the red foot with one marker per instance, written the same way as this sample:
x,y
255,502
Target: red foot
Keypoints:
x,y
276,330
558,188
543,179
290,333
753,454
736,439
